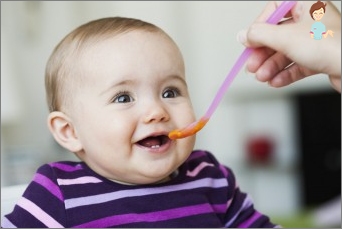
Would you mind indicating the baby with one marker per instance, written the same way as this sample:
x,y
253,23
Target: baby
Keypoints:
x,y
115,88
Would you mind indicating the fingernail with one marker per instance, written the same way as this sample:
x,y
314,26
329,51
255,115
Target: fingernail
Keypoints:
x,y
242,36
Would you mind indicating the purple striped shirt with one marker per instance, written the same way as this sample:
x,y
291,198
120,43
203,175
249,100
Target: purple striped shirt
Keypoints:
x,y
70,194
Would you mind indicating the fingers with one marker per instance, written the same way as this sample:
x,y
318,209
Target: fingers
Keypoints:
x,y
257,58
289,75
275,68
272,66
256,35
286,77
275,37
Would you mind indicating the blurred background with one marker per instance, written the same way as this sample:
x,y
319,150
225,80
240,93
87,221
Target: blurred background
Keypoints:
x,y
283,144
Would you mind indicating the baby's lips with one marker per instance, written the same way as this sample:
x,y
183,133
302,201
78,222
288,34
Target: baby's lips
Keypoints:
x,y
150,141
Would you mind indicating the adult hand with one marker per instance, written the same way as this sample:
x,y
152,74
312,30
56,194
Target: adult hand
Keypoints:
x,y
286,53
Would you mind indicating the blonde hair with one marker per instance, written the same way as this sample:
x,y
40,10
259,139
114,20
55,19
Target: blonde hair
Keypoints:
x,y
62,70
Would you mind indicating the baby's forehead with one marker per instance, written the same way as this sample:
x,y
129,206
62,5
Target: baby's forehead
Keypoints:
x,y
131,41
131,49
117,41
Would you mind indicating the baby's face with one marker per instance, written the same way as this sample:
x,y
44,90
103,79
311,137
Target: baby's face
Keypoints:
x,y
133,93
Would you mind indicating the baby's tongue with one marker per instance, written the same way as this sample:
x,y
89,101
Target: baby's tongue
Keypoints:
x,y
150,141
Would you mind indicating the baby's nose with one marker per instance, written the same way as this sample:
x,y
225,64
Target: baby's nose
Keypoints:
x,y
156,113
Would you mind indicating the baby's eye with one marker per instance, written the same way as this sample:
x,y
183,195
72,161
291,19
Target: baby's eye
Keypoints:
x,y
171,93
123,97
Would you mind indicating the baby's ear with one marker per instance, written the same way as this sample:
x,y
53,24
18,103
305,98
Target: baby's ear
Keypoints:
x,y
63,131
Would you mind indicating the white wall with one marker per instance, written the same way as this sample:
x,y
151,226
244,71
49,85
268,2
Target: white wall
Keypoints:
x,y
206,33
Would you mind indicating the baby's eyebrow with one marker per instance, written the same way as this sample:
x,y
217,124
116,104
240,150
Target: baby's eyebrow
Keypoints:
x,y
115,84
131,82
176,77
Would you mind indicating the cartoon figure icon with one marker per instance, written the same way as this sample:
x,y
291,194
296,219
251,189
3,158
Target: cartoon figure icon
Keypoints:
x,y
318,30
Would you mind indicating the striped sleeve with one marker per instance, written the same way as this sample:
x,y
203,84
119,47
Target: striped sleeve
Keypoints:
x,y
240,208
240,211
41,205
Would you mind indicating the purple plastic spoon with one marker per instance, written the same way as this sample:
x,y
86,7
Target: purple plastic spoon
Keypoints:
x,y
196,126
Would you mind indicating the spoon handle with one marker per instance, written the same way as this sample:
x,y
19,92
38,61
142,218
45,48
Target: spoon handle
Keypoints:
x,y
196,126
275,17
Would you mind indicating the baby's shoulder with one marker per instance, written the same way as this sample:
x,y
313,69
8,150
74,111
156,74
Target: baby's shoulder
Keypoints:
x,y
61,168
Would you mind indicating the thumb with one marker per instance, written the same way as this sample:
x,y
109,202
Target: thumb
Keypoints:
x,y
276,37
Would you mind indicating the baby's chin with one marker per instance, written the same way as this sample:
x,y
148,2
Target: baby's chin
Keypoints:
x,y
158,180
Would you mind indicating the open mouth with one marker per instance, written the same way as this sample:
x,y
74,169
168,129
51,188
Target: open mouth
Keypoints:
x,y
154,142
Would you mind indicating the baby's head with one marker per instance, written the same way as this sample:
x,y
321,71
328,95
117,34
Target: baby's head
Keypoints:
x,y
115,88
